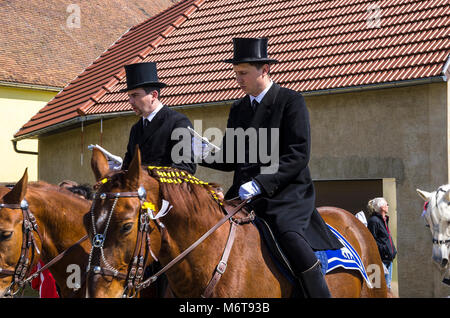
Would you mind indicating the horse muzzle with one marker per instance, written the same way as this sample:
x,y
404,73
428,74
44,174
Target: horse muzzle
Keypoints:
x,y
440,255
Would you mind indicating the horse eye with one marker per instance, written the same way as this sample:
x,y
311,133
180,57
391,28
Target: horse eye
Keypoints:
x,y
126,227
5,235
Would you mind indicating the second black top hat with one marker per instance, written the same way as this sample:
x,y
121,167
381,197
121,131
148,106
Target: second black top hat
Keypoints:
x,y
142,74
250,50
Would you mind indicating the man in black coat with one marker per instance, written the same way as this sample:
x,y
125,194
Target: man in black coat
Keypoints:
x,y
282,187
153,131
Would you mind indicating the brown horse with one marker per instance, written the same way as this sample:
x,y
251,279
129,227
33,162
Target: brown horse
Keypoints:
x,y
250,271
58,215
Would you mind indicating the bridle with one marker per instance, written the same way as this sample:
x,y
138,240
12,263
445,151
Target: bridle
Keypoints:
x,y
436,241
142,248
133,279
23,266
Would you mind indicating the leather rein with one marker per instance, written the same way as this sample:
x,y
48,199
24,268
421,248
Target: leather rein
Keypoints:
x,y
133,279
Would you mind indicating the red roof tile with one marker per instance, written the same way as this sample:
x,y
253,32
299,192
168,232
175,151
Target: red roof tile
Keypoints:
x,y
321,45
104,73
38,46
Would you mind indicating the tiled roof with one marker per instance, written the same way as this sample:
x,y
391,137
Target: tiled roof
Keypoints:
x,y
98,78
43,44
321,45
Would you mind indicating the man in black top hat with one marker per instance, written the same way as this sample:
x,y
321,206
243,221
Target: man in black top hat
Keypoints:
x,y
153,131
284,197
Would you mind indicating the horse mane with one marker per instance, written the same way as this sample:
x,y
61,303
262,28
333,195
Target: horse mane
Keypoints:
x,y
185,191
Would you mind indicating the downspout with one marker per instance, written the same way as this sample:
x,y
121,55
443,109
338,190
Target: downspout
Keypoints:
x,y
23,151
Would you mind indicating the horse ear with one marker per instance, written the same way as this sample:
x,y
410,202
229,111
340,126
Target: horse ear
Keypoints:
x,y
99,164
424,194
134,170
17,193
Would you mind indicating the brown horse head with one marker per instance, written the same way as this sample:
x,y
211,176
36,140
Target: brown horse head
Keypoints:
x,y
118,220
11,221
58,213
195,209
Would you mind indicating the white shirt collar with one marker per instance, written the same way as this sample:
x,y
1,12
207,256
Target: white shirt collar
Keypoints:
x,y
153,113
262,94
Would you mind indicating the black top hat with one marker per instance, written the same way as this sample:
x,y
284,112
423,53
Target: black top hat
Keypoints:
x,y
250,50
142,74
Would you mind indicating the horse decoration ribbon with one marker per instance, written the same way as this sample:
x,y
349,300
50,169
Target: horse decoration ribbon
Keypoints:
x,y
345,257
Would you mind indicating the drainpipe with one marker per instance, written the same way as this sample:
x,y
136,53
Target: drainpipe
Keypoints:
x,y
23,151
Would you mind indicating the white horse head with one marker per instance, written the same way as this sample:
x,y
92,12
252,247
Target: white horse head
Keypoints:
x,y
437,216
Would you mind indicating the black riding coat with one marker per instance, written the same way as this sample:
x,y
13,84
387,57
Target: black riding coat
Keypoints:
x,y
288,199
155,141
381,233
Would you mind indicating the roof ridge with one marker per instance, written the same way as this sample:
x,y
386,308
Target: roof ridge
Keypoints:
x,y
141,55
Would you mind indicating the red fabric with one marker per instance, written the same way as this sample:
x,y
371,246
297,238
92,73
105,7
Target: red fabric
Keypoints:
x,y
45,283
389,233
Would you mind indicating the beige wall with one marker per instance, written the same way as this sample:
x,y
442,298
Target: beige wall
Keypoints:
x,y
60,154
399,133
18,105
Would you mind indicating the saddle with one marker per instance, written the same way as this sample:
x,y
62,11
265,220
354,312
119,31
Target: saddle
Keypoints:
x,y
278,257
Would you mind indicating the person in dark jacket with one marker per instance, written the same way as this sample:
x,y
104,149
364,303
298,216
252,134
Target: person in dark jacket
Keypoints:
x,y
378,225
281,188
153,131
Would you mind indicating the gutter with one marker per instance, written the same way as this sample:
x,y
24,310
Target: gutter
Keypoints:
x,y
31,86
71,122
23,151
352,89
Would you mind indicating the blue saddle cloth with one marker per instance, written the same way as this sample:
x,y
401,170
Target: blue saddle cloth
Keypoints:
x,y
345,257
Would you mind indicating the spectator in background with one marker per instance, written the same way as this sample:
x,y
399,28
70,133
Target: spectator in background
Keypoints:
x,y
82,190
378,225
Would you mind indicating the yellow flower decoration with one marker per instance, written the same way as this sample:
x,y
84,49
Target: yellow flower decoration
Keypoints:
x,y
148,205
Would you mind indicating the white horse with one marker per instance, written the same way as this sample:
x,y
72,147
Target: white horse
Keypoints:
x,y
437,217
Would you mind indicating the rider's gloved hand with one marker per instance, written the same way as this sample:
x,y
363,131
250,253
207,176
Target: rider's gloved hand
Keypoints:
x,y
248,190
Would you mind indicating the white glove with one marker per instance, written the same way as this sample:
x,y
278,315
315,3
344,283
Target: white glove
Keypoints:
x,y
114,162
248,190
200,148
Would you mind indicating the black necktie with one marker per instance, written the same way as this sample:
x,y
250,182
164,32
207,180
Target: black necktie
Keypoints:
x,y
254,105
146,122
